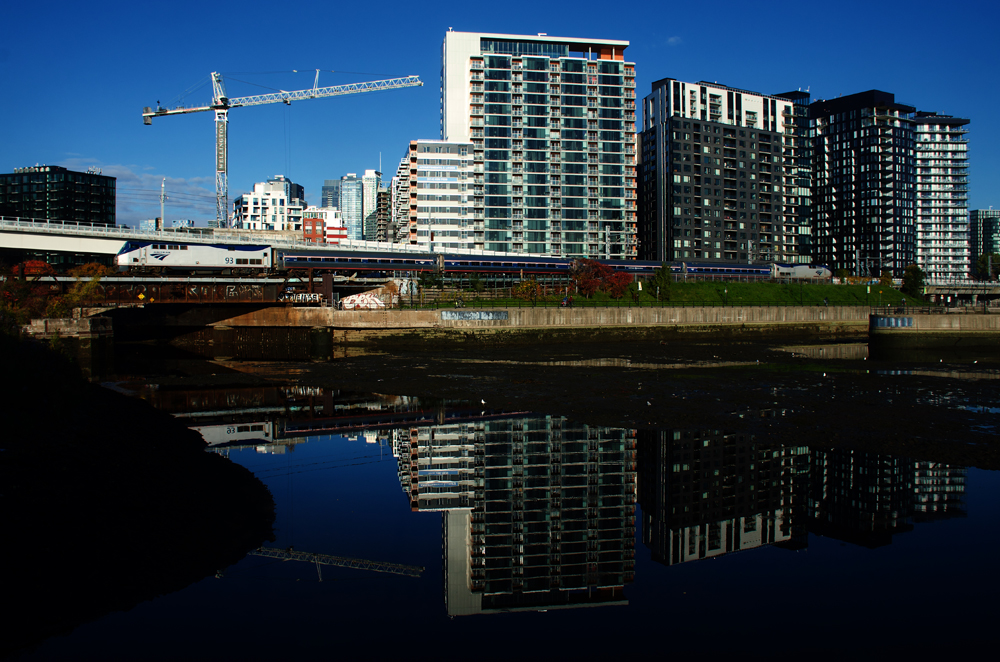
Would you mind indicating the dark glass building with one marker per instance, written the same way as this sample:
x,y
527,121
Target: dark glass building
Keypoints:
x,y
713,175
864,200
57,194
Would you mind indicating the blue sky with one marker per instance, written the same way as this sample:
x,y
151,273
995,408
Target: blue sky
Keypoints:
x,y
76,76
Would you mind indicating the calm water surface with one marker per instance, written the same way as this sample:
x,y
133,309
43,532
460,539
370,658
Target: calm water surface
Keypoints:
x,y
541,537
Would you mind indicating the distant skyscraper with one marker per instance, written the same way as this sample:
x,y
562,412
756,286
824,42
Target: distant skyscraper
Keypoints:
x,y
864,208
942,196
383,215
352,205
401,201
274,205
552,124
331,193
371,182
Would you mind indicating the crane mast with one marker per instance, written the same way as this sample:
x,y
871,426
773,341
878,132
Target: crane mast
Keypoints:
x,y
221,104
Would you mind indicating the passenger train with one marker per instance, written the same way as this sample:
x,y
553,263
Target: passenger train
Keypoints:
x,y
247,260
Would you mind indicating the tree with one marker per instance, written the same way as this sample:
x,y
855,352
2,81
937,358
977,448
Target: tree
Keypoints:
x,y
886,279
589,275
617,284
659,284
988,266
90,269
913,281
476,283
527,290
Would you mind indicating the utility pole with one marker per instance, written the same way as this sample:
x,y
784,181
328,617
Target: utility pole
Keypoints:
x,y
163,199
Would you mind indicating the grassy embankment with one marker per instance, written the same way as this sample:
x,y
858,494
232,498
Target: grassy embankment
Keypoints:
x,y
719,294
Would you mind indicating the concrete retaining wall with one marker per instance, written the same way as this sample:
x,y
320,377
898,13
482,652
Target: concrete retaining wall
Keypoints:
x,y
936,330
514,318
89,327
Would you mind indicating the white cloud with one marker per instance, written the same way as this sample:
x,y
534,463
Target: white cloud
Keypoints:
x,y
138,193
674,41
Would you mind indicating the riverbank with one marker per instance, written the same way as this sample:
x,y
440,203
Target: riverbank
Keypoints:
x,y
106,501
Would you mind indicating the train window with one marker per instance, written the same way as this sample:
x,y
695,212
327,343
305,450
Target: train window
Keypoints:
x,y
231,249
256,261
184,248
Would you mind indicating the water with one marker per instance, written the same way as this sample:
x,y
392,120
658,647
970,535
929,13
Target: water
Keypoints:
x,y
543,537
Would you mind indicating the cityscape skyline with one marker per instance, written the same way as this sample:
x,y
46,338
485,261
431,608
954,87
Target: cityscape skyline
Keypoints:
x,y
324,139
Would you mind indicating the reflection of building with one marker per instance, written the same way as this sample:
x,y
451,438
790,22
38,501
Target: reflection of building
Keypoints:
x,y
705,493
863,498
866,498
938,491
538,514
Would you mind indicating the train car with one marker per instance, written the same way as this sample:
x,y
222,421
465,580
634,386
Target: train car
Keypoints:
x,y
369,262
151,256
534,265
801,271
721,271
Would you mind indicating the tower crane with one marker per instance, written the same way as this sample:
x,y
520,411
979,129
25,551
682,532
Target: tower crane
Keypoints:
x,y
221,104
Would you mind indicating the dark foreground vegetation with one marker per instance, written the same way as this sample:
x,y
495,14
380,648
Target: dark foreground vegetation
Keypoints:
x,y
106,501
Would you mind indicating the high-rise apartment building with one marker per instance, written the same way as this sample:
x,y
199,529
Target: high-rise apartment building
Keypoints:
x,y
58,194
352,205
383,215
864,209
942,154
434,200
274,205
400,191
371,182
552,124
330,193
984,236
797,157
713,175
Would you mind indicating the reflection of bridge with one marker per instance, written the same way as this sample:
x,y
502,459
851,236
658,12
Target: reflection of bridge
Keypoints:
x,y
254,415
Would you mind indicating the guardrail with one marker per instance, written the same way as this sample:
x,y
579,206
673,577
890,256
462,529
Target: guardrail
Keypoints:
x,y
580,302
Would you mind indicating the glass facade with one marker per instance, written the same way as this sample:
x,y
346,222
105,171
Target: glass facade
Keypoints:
x,y
942,153
57,194
864,208
553,137
352,205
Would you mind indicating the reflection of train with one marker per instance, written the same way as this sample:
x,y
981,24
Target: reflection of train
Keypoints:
x,y
240,259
